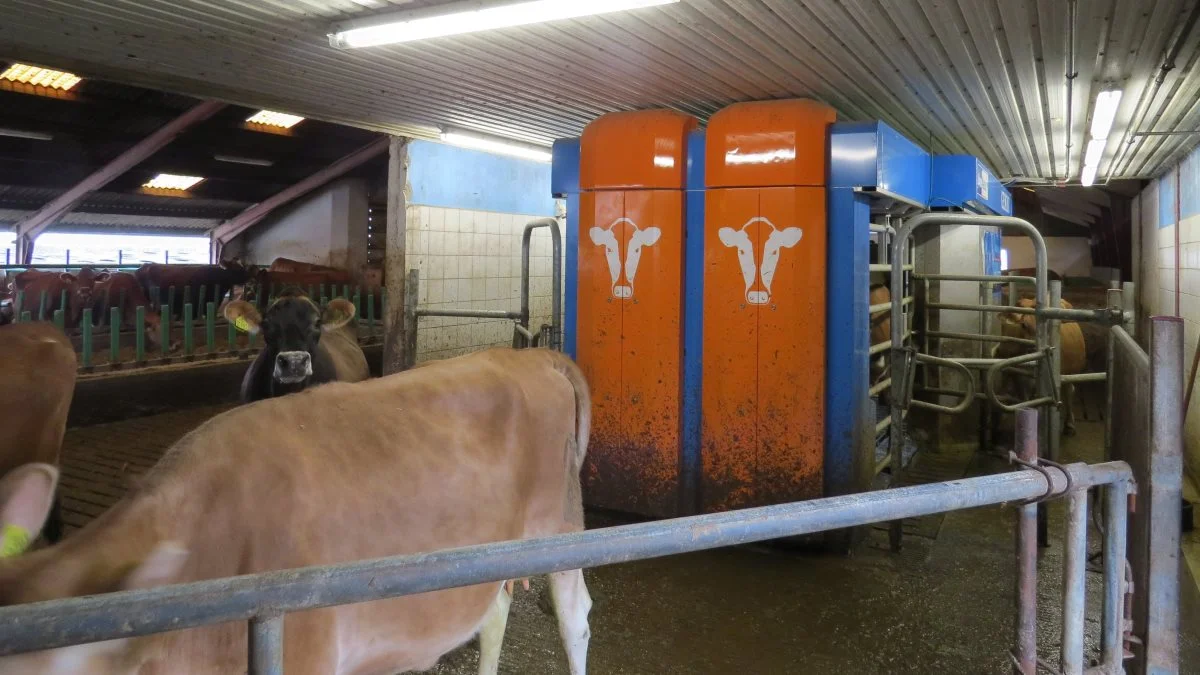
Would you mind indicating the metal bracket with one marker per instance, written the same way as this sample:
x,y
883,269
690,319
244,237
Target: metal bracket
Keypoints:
x,y
1050,492
996,368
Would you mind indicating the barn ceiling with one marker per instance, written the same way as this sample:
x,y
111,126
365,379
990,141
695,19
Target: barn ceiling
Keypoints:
x,y
985,77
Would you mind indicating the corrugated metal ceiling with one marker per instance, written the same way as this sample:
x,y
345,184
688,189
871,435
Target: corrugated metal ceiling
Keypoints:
x,y
986,77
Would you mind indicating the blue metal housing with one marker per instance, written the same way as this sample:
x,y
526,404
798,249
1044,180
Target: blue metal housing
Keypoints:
x,y
690,468
564,184
870,164
963,181
874,156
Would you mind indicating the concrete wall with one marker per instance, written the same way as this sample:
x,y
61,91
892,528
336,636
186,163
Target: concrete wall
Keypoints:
x,y
1157,228
465,219
327,227
1069,256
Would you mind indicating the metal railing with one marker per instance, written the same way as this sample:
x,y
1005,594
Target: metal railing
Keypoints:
x,y
264,599
549,335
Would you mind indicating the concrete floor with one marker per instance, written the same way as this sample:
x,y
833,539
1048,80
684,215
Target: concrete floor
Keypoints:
x,y
944,605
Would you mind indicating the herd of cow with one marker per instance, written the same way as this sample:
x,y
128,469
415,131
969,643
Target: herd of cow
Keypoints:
x,y
481,448
148,286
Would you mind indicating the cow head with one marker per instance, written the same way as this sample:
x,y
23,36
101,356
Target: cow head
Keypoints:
x,y
291,328
622,275
758,272
26,498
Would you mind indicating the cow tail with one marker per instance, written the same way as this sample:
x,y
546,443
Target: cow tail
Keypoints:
x,y
583,405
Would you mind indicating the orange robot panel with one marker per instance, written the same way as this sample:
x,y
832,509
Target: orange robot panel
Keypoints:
x,y
630,339
763,347
599,320
791,345
729,409
768,143
637,149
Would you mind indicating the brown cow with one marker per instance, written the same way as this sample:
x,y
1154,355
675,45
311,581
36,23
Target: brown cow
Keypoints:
x,y
289,265
481,448
881,330
1074,352
34,282
122,290
154,277
37,382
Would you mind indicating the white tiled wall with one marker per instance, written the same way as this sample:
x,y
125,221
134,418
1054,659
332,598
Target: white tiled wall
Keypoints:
x,y
472,260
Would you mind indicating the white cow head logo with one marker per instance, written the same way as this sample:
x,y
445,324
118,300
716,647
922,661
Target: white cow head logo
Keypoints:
x,y
754,270
622,287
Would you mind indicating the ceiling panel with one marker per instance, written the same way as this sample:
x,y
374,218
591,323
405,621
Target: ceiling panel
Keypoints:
x,y
985,77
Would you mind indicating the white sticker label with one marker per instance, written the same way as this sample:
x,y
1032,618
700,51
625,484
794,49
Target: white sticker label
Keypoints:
x,y
981,180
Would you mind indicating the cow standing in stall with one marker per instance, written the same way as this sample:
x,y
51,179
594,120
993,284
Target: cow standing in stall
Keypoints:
x,y
1082,349
122,291
482,448
304,345
37,382
156,278
34,283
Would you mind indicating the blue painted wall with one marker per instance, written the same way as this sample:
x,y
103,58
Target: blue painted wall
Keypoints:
x,y
458,178
1189,184
1166,199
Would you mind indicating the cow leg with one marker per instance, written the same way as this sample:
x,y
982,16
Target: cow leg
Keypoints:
x,y
1068,391
491,635
572,604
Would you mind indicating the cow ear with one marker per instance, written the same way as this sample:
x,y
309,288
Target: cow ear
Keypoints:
x,y
650,235
103,276
725,234
596,234
159,568
67,277
244,316
26,497
338,313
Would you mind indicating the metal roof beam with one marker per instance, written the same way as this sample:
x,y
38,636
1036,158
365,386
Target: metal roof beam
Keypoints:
x,y
251,216
29,228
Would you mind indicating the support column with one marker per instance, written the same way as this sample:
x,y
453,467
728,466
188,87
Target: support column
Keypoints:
x,y
395,338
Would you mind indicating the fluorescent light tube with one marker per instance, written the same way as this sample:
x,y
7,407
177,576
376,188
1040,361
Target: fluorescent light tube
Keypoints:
x,y
474,16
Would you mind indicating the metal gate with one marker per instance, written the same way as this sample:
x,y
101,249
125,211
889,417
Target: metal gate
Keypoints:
x,y
1043,363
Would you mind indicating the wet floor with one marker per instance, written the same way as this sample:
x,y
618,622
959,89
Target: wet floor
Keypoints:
x,y
944,605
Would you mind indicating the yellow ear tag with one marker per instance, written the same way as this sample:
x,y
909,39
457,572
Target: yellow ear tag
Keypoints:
x,y
14,540
241,324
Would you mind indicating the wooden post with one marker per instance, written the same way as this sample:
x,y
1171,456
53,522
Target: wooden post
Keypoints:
x,y
395,341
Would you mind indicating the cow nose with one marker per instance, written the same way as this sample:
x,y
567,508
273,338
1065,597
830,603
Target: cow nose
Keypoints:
x,y
622,291
758,297
292,367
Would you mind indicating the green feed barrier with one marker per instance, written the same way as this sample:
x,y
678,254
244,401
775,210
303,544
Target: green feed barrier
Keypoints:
x,y
86,328
60,320
371,314
164,332
26,316
140,334
114,336
42,305
171,300
200,302
210,325
188,327
19,305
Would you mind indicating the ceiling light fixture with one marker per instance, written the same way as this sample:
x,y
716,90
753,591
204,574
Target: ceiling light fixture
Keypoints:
x,y
495,146
243,160
1088,176
21,133
1105,112
271,118
470,17
40,77
170,181
1095,151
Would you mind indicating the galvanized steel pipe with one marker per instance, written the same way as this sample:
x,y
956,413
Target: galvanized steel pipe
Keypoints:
x,y
59,623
